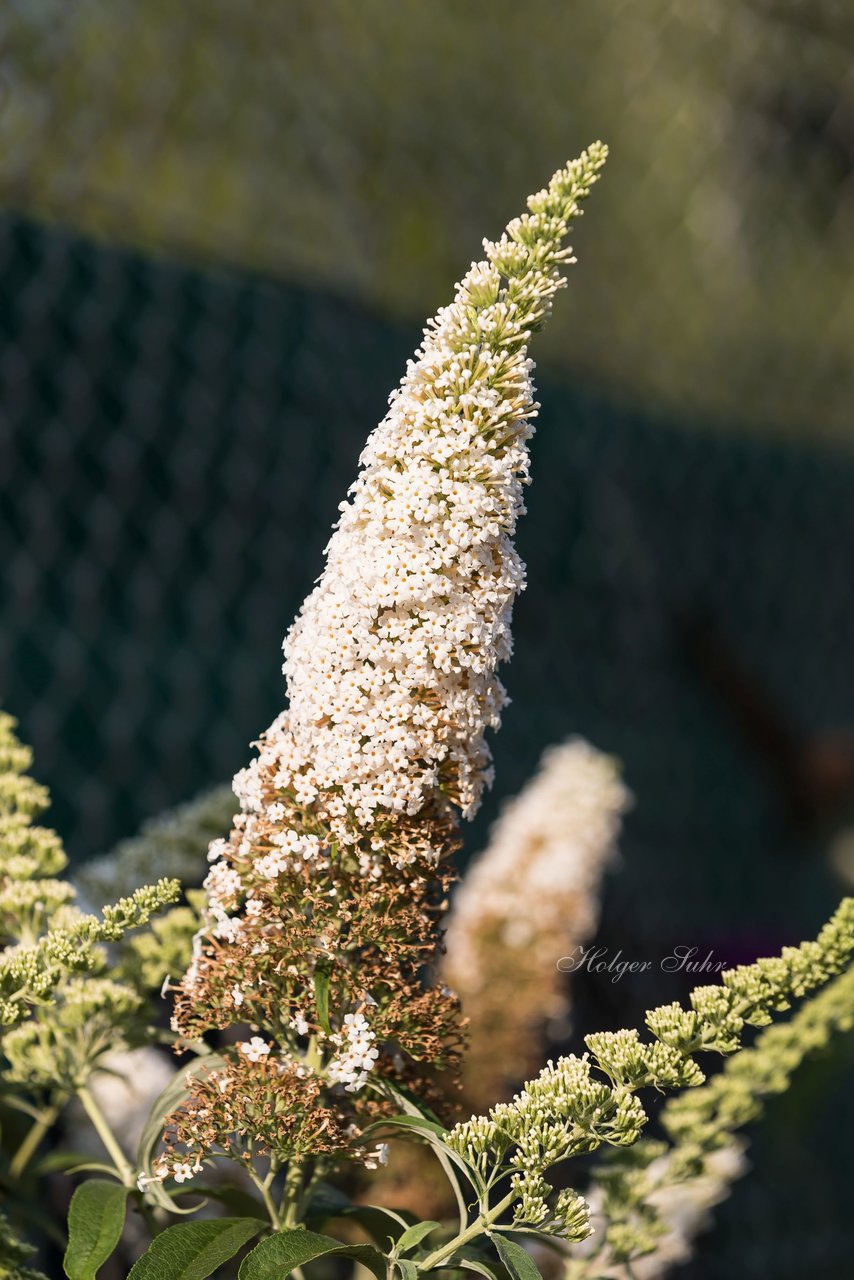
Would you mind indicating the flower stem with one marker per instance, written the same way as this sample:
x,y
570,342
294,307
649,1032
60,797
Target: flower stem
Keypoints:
x,y
108,1138
263,1185
28,1147
477,1228
291,1196
309,1188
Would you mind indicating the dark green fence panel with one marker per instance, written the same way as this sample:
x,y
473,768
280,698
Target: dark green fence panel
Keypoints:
x,y
174,446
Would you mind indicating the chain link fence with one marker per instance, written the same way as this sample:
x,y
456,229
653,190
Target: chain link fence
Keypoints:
x,y
220,229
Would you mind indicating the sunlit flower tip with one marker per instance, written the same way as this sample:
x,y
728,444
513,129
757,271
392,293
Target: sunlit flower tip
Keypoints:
x,y
391,665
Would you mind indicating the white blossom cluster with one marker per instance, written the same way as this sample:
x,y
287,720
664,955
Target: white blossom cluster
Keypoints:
x,y
391,665
180,1170
351,1066
537,884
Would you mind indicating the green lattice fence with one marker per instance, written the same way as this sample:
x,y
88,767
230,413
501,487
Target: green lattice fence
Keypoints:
x,y
221,230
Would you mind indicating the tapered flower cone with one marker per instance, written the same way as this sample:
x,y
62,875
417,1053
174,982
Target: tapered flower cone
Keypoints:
x,y
323,904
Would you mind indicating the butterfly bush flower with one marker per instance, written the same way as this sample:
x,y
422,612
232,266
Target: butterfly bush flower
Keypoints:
x,y
530,898
323,904
391,664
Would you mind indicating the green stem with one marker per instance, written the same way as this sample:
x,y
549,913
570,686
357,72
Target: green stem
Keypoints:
x,y
148,1216
28,1147
481,1224
108,1138
309,1189
263,1186
291,1196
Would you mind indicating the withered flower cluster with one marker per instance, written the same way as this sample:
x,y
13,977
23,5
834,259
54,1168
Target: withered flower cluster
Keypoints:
x,y
327,961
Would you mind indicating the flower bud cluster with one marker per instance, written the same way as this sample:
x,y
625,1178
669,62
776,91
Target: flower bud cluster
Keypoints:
x,y
59,1013
568,1110
651,1202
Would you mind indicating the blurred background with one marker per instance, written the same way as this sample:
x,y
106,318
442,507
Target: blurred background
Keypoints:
x,y
221,228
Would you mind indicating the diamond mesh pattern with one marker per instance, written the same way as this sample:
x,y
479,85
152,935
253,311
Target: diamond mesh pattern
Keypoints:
x,y
219,228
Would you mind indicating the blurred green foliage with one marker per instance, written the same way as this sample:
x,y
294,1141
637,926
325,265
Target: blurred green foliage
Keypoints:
x,y
368,147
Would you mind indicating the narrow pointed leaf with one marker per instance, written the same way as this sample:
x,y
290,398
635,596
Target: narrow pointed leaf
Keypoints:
x,y
446,1157
520,1264
414,1235
382,1225
475,1264
168,1101
165,1103
71,1162
321,994
434,1135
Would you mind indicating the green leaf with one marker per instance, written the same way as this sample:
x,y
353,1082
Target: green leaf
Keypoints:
x,y
96,1219
327,1201
194,1250
71,1162
321,993
410,1104
472,1258
434,1134
414,1235
446,1157
474,1264
520,1264
408,1269
278,1255
165,1103
382,1225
